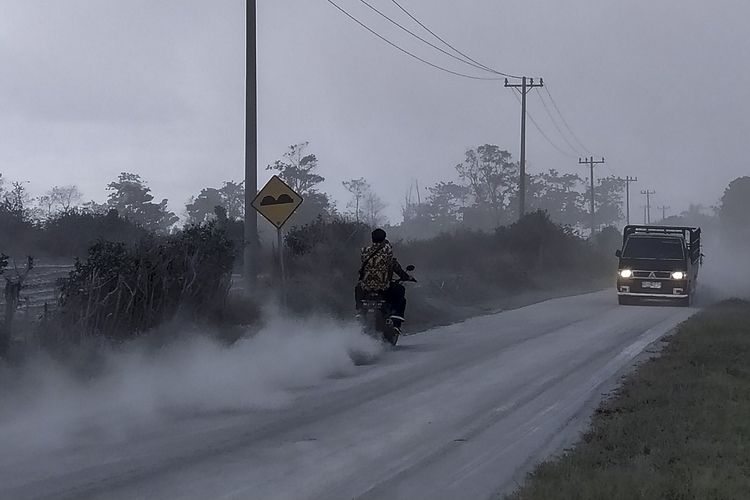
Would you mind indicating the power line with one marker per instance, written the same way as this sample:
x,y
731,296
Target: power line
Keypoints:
x,y
565,122
469,61
554,122
404,28
456,73
563,152
488,68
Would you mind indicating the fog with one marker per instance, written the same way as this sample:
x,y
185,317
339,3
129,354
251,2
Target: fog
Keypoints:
x,y
92,88
44,406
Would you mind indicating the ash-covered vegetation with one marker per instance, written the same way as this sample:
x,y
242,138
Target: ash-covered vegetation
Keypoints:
x,y
121,290
133,264
461,273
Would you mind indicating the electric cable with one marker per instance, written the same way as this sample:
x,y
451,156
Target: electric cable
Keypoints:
x,y
407,30
394,45
414,18
565,122
546,137
554,122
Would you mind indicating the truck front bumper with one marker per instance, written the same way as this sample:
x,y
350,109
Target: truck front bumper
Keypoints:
x,y
654,295
670,289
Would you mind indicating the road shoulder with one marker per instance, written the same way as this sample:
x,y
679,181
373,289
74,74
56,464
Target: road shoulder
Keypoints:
x,y
676,428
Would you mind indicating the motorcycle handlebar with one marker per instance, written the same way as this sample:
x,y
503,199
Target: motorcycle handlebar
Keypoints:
x,y
411,279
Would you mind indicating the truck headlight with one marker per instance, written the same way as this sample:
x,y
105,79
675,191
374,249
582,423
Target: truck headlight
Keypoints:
x,y
626,273
678,275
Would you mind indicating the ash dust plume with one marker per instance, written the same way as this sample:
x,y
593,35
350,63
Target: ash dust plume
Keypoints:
x,y
44,406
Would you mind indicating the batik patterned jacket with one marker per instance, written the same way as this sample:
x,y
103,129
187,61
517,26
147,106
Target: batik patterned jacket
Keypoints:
x,y
379,269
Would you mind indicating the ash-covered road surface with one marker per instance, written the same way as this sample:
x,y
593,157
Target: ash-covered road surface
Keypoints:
x,y
458,412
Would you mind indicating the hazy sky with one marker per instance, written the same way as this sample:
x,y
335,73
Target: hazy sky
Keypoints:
x,y
90,88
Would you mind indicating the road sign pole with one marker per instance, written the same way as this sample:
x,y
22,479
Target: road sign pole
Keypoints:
x,y
277,202
282,271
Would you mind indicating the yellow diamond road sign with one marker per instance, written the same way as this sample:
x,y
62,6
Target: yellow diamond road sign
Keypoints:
x,y
277,201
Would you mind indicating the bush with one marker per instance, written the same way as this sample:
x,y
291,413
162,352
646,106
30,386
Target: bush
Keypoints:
x,y
323,264
608,241
17,231
121,290
348,235
465,267
65,234
72,233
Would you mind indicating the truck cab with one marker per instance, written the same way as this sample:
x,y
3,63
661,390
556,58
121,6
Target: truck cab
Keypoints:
x,y
658,262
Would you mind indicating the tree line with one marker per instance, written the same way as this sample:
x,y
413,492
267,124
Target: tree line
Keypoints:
x,y
483,194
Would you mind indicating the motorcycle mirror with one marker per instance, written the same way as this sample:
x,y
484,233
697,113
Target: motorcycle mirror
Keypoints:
x,y
410,268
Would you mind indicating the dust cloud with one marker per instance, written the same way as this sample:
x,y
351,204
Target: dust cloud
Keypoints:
x,y
43,406
725,273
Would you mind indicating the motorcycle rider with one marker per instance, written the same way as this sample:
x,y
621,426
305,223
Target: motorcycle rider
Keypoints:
x,y
376,273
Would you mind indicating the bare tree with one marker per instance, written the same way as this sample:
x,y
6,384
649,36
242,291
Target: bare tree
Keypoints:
x,y
46,204
373,209
66,196
59,198
358,188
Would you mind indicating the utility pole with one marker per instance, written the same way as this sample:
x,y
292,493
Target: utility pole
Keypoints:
x,y
627,180
526,85
648,194
663,209
250,268
591,163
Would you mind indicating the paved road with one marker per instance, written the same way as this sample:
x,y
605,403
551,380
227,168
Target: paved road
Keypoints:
x,y
457,412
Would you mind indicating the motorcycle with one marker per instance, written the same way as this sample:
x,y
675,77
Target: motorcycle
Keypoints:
x,y
376,315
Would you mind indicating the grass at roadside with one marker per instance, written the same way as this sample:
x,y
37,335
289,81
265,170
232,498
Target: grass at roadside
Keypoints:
x,y
678,428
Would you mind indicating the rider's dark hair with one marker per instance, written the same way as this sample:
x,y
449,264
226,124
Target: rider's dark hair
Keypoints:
x,y
378,236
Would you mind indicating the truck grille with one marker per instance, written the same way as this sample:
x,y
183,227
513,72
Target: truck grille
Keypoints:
x,y
652,274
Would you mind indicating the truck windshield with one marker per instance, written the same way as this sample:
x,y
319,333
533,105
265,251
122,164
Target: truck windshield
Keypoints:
x,y
654,248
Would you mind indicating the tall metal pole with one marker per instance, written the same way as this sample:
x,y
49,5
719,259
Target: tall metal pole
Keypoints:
x,y
250,268
627,181
526,87
522,180
663,209
627,203
591,162
593,218
648,194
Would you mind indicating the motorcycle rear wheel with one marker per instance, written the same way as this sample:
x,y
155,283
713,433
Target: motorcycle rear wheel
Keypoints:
x,y
391,336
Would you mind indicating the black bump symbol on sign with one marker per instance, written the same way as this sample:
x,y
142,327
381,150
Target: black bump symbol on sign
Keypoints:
x,y
281,200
